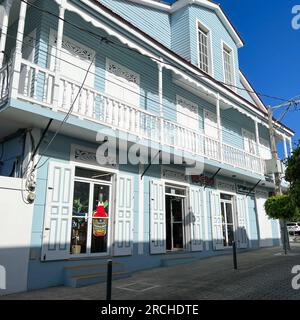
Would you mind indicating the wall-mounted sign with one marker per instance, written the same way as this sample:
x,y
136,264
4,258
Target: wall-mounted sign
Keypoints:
x,y
89,156
240,188
226,186
174,175
203,180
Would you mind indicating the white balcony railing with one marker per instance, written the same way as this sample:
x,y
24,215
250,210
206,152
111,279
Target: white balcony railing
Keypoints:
x,y
37,85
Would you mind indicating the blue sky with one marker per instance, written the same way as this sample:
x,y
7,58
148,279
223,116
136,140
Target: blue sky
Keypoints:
x,y
271,55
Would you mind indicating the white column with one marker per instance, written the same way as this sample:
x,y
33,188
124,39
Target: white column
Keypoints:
x,y
257,136
285,148
60,32
219,126
4,28
160,97
291,146
18,52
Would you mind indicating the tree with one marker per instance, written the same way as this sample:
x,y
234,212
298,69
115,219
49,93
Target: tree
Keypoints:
x,y
286,207
282,207
292,175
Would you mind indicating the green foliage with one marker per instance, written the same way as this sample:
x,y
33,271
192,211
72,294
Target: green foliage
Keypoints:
x,y
281,207
292,175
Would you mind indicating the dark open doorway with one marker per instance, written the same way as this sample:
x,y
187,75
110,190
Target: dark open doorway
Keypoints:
x,y
174,223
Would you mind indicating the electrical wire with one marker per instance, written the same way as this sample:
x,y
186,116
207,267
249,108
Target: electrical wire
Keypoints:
x,y
158,59
153,101
70,110
66,116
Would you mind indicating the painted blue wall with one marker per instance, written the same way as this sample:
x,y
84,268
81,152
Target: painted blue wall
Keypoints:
x,y
11,152
154,22
219,34
180,41
232,121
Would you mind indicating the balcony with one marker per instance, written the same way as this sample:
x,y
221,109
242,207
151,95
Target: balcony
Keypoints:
x,y
37,85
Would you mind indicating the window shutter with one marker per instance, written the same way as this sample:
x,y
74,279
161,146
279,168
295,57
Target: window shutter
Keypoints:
x,y
241,230
216,216
157,217
123,243
196,219
58,212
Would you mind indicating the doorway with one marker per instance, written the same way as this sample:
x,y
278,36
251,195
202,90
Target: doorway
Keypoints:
x,y
175,236
91,213
228,226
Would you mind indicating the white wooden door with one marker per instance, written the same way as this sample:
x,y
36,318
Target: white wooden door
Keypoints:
x,y
211,124
122,83
123,243
74,61
197,218
249,142
241,225
216,215
157,217
58,212
187,113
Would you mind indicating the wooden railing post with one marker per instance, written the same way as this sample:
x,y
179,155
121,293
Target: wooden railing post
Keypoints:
x,y
60,31
160,97
4,27
18,52
219,126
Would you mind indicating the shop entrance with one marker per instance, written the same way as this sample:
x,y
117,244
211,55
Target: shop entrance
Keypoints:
x,y
91,212
175,237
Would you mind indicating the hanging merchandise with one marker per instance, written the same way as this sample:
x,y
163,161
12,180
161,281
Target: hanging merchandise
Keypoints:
x,y
100,225
100,210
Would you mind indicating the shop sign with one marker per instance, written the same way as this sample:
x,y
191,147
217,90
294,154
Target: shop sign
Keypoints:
x,y
203,180
242,189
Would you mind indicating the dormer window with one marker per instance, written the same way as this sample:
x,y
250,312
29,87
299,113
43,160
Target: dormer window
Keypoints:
x,y
228,66
204,62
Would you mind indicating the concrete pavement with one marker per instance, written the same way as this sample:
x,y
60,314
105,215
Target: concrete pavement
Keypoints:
x,y
262,274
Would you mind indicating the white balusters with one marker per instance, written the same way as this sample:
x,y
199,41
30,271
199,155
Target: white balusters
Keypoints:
x,y
4,82
45,88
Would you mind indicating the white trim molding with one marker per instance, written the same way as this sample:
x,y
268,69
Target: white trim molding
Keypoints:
x,y
227,47
201,25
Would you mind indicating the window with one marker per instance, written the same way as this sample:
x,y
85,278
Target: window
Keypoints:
x,y
187,113
204,49
122,83
228,65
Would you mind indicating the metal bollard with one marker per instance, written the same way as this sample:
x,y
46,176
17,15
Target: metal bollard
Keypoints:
x,y
234,255
109,280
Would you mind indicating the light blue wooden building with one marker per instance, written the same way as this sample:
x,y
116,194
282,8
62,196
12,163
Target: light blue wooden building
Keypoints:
x,y
163,82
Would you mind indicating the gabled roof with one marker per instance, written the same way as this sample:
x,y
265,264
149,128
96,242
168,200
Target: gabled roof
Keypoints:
x,y
249,88
187,63
177,5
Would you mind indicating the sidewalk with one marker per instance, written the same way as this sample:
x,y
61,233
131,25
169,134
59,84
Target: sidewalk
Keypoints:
x,y
262,274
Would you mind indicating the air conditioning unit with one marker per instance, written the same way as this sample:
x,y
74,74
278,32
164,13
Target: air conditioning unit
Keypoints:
x,y
274,166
